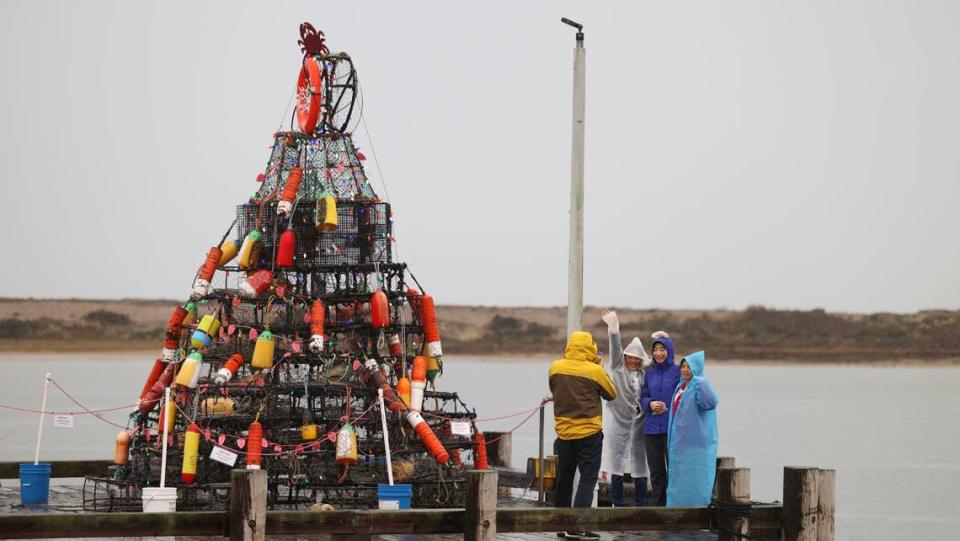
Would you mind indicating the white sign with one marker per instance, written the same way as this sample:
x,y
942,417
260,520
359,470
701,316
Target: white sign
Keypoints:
x,y
62,420
223,456
389,504
460,428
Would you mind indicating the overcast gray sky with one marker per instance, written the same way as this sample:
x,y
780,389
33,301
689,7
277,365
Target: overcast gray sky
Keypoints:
x,y
791,154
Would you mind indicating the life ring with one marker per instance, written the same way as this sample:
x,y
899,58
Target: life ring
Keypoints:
x,y
309,93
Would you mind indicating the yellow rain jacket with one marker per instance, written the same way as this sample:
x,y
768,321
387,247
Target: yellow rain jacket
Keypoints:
x,y
578,382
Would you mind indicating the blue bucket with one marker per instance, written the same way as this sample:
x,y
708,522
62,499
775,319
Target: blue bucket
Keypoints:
x,y
34,482
394,496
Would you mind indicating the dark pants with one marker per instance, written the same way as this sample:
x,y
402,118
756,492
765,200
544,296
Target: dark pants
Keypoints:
x,y
639,491
657,461
585,455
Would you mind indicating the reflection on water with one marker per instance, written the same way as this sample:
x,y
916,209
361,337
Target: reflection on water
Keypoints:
x,y
890,432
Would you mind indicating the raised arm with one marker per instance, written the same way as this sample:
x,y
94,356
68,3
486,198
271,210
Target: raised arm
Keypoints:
x,y
613,332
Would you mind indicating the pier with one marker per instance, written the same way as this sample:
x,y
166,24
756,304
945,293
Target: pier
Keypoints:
x,y
806,514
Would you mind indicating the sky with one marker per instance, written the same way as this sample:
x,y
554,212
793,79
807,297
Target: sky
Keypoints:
x,y
795,155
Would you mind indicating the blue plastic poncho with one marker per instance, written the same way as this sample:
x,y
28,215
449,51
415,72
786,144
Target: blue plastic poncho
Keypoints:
x,y
692,440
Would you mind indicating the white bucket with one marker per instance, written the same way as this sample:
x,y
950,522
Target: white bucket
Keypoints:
x,y
159,500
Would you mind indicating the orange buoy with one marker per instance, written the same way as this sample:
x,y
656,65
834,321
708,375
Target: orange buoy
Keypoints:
x,y
309,95
286,248
431,331
403,389
290,192
379,310
419,383
121,453
480,452
202,284
152,378
254,445
318,315
191,451
229,369
428,438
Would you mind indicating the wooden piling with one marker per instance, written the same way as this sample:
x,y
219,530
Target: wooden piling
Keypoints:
x,y
722,462
248,505
826,485
480,520
499,448
733,515
800,501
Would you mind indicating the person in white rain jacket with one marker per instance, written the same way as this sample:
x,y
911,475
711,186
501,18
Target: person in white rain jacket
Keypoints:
x,y
623,449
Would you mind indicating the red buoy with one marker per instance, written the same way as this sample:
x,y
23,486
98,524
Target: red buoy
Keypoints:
x,y
480,452
286,248
379,310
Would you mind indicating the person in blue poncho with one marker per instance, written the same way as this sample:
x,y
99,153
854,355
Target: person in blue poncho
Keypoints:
x,y
659,382
692,436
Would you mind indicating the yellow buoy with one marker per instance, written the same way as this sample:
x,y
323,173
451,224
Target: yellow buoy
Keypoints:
x,y
263,351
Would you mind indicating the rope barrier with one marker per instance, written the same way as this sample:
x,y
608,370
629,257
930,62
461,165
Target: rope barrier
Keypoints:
x,y
23,419
83,412
75,401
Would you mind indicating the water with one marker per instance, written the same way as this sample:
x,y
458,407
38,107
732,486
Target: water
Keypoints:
x,y
890,432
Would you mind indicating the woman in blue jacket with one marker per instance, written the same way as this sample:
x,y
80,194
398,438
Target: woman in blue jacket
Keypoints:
x,y
659,382
692,437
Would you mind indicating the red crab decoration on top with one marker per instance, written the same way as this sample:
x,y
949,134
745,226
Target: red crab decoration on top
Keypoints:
x,y
312,41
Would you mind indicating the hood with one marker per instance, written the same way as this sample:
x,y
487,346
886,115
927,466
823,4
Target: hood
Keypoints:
x,y
581,347
696,361
635,349
668,344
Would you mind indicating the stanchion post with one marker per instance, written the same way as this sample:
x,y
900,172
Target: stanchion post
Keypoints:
x,y
480,520
248,505
722,462
733,485
826,485
800,501
499,448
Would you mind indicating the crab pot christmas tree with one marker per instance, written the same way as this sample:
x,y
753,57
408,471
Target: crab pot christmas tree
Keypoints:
x,y
296,319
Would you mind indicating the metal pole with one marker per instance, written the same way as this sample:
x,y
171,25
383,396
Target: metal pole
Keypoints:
x,y
43,409
575,267
541,496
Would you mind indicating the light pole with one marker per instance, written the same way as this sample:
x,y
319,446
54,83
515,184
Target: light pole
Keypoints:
x,y
575,265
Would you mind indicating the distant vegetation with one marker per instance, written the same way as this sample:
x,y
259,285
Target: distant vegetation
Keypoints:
x,y
753,333
93,326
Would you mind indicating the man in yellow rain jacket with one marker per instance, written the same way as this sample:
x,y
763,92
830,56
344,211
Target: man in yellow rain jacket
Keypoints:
x,y
578,382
